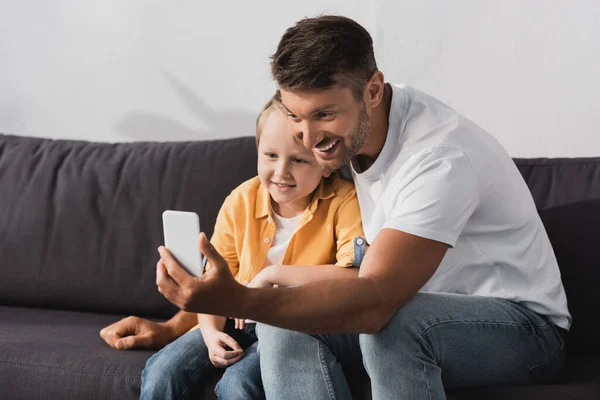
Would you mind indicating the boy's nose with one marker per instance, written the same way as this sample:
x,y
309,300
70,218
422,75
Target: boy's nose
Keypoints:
x,y
282,168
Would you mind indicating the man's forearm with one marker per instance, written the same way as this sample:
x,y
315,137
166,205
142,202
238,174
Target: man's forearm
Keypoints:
x,y
182,322
334,306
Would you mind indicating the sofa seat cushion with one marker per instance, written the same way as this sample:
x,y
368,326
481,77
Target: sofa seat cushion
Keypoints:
x,y
48,354
580,380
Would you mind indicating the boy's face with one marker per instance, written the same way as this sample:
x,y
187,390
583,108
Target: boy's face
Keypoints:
x,y
330,122
285,167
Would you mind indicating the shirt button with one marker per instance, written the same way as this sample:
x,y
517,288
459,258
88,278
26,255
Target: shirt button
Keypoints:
x,y
267,240
359,241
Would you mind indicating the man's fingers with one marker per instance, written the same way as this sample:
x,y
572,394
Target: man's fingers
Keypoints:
x,y
209,251
166,285
173,270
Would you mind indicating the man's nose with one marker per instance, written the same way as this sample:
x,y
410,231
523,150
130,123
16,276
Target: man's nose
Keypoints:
x,y
306,133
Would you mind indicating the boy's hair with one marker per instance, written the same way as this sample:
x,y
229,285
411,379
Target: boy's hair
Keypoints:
x,y
317,53
274,104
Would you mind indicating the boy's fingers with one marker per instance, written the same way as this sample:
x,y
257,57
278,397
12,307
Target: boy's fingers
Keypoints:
x,y
231,342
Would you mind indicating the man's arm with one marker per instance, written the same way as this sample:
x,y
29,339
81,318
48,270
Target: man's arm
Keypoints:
x,y
396,266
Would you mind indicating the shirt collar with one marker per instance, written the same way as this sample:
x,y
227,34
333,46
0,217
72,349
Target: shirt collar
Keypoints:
x,y
263,198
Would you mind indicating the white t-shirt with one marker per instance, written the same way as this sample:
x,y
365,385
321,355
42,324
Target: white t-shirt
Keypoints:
x,y
284,230
441,177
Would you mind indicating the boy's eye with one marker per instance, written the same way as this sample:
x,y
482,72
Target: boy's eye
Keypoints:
x,y
298,161
271,155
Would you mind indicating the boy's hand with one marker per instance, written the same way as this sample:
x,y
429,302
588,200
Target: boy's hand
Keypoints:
x,y
240,323
264,278
218,352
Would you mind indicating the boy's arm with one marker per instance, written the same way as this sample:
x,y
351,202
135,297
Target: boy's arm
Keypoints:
x,y
210,323
288,275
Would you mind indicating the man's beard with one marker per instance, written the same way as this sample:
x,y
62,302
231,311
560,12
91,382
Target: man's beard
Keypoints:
x,y
357,139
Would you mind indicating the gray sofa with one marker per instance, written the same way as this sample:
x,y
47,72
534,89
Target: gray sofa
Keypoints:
x,y
80,223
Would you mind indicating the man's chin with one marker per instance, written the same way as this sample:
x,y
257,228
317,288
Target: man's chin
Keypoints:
x,y
333,165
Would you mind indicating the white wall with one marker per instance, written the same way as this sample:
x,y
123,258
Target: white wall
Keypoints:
x,y
127,70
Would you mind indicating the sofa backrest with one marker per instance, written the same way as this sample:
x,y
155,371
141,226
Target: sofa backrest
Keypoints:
x,y
567,195
80,222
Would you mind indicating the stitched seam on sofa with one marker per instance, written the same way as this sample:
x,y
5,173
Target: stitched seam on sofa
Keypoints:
x,y
554,162
41,367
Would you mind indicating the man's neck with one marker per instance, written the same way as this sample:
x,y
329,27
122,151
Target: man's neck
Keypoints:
x,y
378,133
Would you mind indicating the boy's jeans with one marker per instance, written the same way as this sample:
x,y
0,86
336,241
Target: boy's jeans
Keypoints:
x,y
179,370
433,341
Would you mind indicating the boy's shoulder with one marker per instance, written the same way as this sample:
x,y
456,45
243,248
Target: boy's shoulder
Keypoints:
x,y
245,190
341,187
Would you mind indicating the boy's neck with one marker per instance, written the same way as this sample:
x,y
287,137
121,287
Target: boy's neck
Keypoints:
x,y
288,210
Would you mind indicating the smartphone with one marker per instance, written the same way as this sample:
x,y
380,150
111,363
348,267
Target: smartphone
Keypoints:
x,y
181,230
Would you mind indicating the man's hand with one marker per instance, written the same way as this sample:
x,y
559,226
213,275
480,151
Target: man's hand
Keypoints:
x,y
137,333
215,292
218,352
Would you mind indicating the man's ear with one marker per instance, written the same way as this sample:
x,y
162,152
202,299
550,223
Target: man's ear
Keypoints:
x,y
374,90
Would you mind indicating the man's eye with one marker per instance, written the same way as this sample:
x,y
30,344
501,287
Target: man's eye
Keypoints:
x,y
292,117
324,115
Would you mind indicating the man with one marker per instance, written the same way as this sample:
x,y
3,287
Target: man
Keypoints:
x,y
460,286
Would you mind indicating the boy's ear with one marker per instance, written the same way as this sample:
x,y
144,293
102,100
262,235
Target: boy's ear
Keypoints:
x,y
326,174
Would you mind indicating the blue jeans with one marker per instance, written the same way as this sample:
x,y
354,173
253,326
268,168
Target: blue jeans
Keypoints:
x,y
433,341
179,370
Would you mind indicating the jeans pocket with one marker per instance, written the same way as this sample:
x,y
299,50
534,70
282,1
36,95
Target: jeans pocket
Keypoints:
x,y
547,371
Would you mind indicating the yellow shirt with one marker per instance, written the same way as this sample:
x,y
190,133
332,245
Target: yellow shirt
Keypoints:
x,y
245,229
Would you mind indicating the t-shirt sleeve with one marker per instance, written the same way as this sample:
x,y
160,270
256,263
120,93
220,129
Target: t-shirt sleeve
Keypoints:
x,y
434,194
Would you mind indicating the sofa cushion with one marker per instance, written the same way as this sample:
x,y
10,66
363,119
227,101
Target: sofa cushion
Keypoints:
x,y
47,354
80,222
567,195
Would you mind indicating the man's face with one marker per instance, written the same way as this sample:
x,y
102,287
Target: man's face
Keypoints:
x,y
330,122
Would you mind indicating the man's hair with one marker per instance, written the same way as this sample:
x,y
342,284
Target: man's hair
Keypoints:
x,y
274,104
317,53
